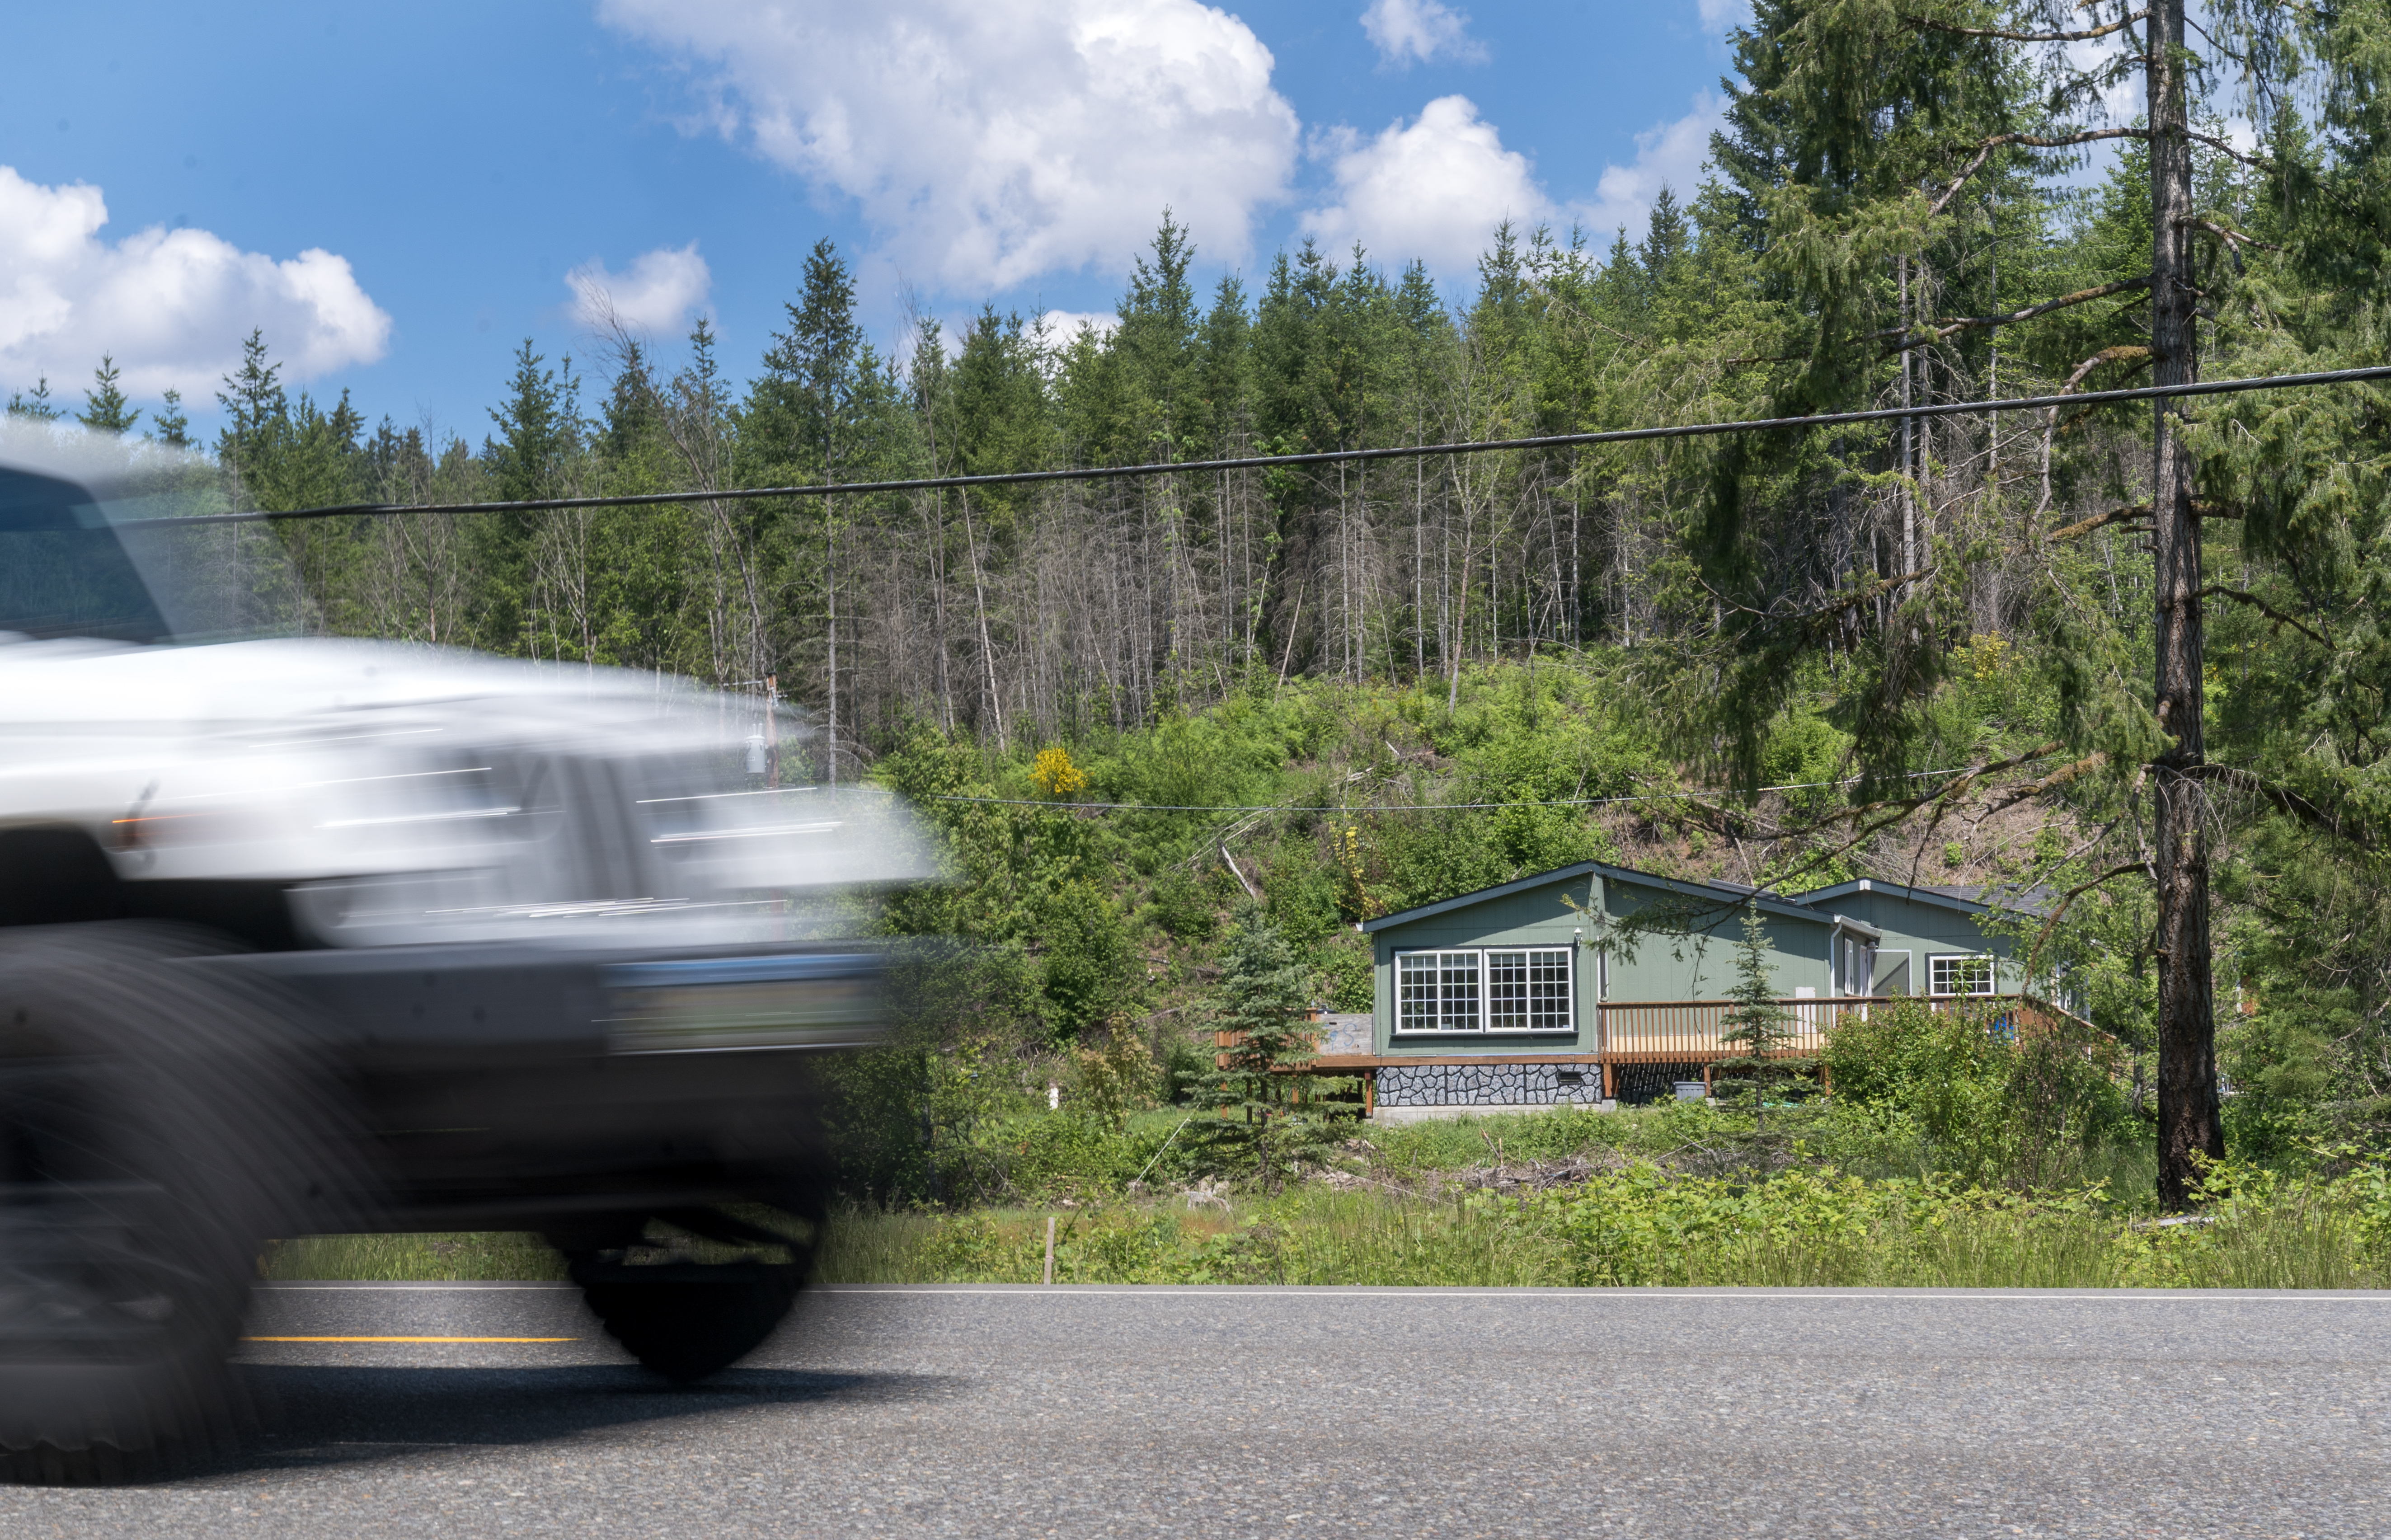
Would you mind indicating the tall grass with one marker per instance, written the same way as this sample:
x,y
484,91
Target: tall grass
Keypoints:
x,y
1631,1221
450,1258
1647,1226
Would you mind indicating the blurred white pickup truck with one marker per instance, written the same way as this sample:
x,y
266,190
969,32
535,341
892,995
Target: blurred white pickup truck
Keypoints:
x,y
301,934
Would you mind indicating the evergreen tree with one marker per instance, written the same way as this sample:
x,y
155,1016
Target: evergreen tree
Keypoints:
x,y
1755,1026
538,430
106,410
532,458
35,405
257,420
1262,1003
1157,343
814,363
174,429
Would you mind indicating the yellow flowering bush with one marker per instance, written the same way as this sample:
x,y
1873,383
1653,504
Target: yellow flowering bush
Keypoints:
x,y
1055,775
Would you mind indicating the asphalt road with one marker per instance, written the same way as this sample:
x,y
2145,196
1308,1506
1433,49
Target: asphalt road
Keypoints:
x,y
1230,1412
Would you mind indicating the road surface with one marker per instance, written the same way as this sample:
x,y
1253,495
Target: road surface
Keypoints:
x,y
1084,1412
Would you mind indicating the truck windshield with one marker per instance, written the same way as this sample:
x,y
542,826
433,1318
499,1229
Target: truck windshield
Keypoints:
x,y
63,573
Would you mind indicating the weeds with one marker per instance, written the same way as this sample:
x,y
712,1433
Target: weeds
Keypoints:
x,y
453,1258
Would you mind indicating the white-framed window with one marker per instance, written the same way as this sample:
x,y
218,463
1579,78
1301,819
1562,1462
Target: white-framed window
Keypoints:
x,y
1436,992
1488,989
1960,973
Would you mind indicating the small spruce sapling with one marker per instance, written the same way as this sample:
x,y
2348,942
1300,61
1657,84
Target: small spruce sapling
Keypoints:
x,y
1755,1026
1262,1004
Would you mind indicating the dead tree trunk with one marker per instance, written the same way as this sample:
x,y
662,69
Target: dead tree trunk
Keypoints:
x,y
2189,1127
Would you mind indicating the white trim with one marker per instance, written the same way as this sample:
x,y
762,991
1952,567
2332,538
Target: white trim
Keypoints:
x,y
1464,976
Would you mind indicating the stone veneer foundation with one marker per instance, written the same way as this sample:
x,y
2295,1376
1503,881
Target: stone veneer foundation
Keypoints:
x,y
1488,1084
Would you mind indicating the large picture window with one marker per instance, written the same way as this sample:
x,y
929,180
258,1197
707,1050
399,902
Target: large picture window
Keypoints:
x,y
1496,990
1962,973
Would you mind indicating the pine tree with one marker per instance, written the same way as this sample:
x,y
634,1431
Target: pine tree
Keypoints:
x,y
1262,1003
538,430
35,406
1756,1026
807,403
106,411
174,429
257,420
1852,140
815,362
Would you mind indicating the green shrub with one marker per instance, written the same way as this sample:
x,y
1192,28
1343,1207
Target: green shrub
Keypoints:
x,y
1975,1096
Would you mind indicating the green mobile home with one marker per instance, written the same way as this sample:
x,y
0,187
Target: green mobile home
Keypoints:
x,y
1596,982
1931,940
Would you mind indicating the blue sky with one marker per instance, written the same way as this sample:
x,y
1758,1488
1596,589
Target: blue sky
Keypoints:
x,y
399,196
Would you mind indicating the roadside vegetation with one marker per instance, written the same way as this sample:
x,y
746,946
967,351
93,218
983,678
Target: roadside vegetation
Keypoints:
x,y
2127,661
1949,1159
1085,956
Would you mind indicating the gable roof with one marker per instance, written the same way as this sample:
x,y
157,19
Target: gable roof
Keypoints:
x,y
1728,895
1966,899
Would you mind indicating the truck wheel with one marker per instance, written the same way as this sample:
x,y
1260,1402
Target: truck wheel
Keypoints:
x,y
157,1125
696,1290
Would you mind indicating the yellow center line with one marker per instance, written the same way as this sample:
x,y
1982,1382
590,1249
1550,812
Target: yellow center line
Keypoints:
x,y
411,1339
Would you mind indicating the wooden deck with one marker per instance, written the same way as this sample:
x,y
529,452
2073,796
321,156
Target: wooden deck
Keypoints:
x,y
1675,1031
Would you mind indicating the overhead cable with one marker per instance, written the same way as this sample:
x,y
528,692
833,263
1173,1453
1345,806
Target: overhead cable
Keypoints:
x,y
1326,457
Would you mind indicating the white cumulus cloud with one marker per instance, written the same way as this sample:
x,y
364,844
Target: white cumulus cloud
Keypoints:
x,y
1668,153
1434,188
1409,32
656,295
171,305
989,141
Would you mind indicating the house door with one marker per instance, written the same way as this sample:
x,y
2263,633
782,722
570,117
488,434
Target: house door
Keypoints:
x,y
1858,974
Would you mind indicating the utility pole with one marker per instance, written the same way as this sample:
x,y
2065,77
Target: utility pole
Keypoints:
x,y
2189,1126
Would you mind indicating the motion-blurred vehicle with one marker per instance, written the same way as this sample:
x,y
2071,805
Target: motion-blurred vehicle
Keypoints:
x,y
304,936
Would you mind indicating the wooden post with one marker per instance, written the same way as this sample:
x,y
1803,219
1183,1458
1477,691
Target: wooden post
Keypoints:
x,y
772,729
1050,1250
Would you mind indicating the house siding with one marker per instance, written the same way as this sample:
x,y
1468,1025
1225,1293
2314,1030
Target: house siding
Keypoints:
x,y
1699,965
1536,917
1922,929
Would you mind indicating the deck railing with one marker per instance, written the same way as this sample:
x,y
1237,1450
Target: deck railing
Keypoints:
x,y
1662,1031
1689,1031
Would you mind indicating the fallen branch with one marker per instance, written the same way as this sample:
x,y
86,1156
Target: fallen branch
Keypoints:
x,y
1251,891
2231,237
2063,776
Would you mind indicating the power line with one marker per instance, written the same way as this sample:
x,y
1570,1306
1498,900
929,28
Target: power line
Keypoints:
x,y
1393,806
1329,457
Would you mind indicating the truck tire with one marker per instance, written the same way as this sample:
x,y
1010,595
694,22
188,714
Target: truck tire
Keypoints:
x,y
159,1121
695,1290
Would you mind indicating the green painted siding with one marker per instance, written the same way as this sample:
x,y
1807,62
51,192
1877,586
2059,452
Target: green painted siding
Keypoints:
x,y
1922,930
1534,917
1696,966
1701,966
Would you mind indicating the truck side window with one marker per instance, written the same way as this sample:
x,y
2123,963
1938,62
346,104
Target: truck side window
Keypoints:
x,y
62,572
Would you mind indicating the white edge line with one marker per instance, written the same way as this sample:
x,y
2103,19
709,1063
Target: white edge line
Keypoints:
x,y
343,1286
1431,1294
